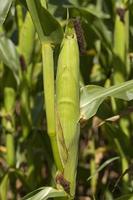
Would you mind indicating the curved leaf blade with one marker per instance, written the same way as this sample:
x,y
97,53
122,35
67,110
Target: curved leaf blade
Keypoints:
x,y
125,197
4,9
9,56
45,193
92,96
103,34
107,162
93,11
4,187
88,10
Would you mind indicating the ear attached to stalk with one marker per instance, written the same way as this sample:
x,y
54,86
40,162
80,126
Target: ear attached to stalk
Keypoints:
x,y
67,102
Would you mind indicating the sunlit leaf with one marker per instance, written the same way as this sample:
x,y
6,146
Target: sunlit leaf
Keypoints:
x,y
4,8
44,193
9,56
92,96
4,187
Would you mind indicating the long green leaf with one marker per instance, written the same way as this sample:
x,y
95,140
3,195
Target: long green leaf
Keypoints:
x,y
92,96
48,28
107,162
89,9
125,197
44,193
103,33
4,8
9,56
4,187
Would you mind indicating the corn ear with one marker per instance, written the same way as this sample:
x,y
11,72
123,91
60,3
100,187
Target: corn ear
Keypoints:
x,y
67,86
67,101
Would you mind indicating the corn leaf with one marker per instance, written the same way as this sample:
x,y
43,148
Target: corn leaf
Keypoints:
x,y
88,10
44,193
125,197
4,187
107,162
4,8
48,28
92,96
118,139
9,56
103,33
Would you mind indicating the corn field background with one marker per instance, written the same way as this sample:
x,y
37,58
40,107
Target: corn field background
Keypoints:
x,y
66,99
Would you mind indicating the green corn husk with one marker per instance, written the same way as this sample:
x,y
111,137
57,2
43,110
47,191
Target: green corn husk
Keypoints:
x,y
67,102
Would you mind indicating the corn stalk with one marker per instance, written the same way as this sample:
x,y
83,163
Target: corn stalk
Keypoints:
x,y
8,123
48,83
121,65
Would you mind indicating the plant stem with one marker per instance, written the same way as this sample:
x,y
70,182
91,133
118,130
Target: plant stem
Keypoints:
x,y
128,67
121,69
119,50
19,16
9,102
48,83
27,39
25,106
10,149
93,167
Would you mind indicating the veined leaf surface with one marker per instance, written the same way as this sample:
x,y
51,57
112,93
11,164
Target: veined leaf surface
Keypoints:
x,y
9,56
4,8
107,162
44,193
92,96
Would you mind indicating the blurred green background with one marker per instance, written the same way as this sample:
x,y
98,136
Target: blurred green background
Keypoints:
x,y
105,35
